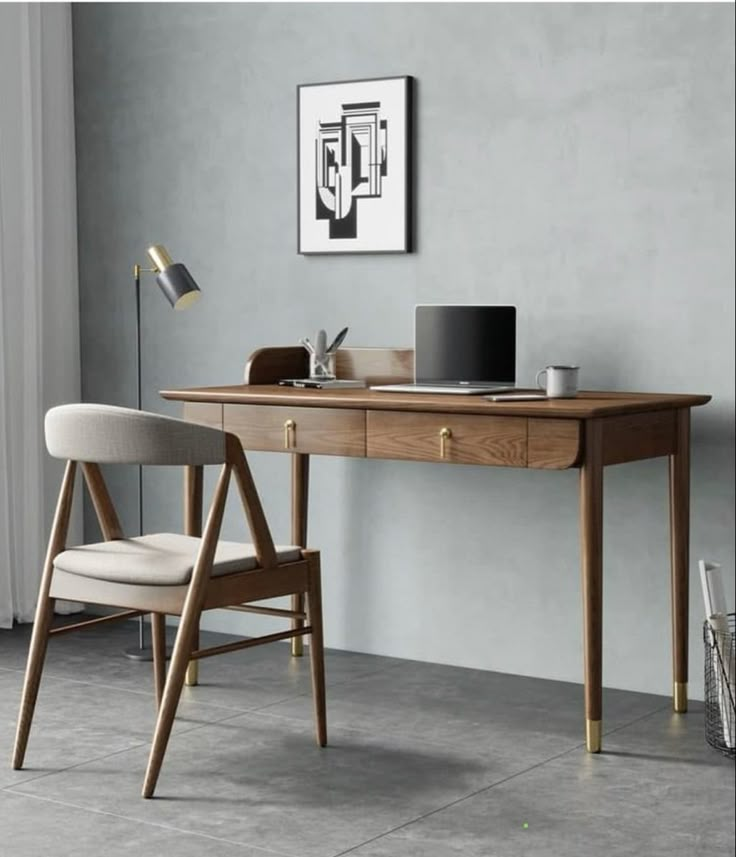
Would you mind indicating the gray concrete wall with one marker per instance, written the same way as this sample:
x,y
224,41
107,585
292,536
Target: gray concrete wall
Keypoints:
x,y
574,160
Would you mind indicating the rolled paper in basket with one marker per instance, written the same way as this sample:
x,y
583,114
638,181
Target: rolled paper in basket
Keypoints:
x,y
725,672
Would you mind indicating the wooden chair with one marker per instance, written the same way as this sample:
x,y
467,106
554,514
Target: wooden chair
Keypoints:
x,y
166,572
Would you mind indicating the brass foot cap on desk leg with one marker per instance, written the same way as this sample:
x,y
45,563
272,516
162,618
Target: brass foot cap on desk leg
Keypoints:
x,y
297,647
679,696
593,736
192,676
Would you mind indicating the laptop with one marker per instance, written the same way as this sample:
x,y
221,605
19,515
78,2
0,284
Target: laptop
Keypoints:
x,y
461,349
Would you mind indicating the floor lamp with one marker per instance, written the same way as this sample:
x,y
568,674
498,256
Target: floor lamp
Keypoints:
x,y
181,291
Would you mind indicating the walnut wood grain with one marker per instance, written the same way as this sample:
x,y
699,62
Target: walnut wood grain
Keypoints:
x,y
303,430
472,440
376,365
204,413
584,406
257,585
252,508
44,615
107,517
591,430
679,468
299,522
373,365
186,633
270,365
271,580
193,486
158,645
553,444
591,555
633,437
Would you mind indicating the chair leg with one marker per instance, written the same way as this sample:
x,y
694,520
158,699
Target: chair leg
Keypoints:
x,y
186,634
44,615
36,658
158,643
316,650
172,691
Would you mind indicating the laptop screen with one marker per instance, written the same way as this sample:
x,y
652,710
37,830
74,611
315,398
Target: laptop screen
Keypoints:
x,y
465,344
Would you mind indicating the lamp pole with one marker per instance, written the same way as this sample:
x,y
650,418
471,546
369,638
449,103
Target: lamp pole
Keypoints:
x,y
141,652
181,291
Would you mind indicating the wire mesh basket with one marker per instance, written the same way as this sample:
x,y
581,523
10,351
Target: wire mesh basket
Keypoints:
x,y
720,678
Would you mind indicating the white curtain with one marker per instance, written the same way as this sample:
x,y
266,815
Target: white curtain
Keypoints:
x,y
39,307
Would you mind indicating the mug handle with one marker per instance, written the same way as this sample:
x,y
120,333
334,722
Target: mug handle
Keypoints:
x,y
539,374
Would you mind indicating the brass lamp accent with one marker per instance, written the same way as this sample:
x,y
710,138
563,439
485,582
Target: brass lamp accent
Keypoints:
x,y
159,255
173,278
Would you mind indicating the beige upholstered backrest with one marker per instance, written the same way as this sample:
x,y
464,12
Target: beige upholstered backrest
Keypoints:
x,y
111,435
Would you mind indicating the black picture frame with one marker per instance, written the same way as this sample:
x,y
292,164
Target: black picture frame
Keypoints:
x,y
355,166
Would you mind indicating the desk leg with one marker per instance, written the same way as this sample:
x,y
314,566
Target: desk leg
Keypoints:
x,y
193,482
299,504
680,557
591,553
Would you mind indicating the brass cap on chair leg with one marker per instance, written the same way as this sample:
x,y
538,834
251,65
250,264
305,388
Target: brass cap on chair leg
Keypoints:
x,y
593,736
192,677
679,696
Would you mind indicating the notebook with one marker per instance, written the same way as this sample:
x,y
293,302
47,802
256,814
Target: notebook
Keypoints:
x,y
462,349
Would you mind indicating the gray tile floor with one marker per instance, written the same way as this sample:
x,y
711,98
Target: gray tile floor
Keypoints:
x,y
423,761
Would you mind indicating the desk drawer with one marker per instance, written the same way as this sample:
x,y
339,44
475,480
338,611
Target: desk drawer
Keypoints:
x,y
455,438
323,431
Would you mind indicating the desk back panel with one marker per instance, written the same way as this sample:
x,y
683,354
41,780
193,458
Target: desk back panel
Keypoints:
x,y
372,365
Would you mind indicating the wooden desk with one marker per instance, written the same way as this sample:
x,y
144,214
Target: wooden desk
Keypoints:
x,y
590,432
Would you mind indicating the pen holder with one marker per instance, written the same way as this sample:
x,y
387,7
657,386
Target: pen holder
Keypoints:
x,y
322,370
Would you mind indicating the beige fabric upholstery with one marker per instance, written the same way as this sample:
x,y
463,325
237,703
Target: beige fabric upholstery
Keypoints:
x,y
107,434
163,559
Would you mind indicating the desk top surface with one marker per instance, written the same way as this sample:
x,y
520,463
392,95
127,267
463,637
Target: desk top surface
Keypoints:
x,y
587,404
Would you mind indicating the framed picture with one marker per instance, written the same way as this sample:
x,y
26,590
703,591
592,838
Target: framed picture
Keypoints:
x,y
354,166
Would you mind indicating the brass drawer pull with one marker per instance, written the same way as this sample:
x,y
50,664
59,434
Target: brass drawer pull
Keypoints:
x,y
445,435
289,438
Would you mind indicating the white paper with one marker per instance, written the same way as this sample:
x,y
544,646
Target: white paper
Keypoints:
x,y
713,592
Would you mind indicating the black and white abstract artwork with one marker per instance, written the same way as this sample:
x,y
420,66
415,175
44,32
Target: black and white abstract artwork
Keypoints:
x,y
354,166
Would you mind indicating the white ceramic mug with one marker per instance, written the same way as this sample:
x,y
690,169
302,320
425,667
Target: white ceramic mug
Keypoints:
x,y
561,381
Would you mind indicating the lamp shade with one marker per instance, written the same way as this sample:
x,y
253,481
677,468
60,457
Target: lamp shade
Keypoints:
x,y
174,279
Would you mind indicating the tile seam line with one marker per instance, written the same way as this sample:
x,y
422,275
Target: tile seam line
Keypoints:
x,y
32,779
264,712
58,677
397,735
291,697
150,694
152,824
494,785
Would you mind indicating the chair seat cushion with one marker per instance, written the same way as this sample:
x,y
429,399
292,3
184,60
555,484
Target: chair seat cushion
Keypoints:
x,y
162,559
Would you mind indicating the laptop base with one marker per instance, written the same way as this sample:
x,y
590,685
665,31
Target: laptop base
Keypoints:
x,y
457,390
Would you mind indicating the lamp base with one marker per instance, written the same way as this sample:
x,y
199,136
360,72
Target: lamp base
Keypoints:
x,y
143,654
138,654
